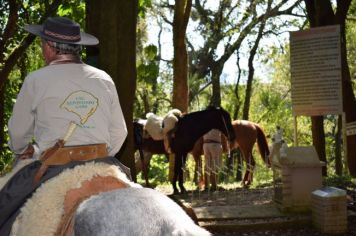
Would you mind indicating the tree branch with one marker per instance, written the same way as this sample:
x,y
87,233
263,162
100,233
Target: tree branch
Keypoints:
x,y
12,59
10,28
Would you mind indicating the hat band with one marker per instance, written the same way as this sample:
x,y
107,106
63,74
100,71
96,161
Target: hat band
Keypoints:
x,y
61,36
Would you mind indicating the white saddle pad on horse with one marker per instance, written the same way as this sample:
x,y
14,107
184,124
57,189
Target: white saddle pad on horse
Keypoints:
x,y
158,127
154,126
41,214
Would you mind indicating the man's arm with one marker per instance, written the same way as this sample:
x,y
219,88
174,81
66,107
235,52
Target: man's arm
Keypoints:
x,y
21,123
118,129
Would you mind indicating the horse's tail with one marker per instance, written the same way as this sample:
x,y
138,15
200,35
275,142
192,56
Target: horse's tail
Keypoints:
x,y
138,136
262,144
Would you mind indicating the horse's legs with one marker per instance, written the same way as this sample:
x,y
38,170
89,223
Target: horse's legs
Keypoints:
x,y
198,171
250,167
239,164
180,182
174,181
182,159
175,174
144,166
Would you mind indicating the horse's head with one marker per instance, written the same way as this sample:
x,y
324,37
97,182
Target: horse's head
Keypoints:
x,y
226,126
230,133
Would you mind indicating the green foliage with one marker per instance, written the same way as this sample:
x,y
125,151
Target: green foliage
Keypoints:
x,y
74,9
153,86
142,7
351,43
339,181
147,69
158,171
6,162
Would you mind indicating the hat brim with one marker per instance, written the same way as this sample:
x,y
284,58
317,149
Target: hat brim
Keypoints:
x,y
85,38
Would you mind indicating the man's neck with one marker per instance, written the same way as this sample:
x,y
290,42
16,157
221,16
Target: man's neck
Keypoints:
x,y
65,59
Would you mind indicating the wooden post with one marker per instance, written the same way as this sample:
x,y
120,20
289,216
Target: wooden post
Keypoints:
x,y
171,166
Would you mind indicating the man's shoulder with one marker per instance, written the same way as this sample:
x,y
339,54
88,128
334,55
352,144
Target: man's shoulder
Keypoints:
x,y
93,70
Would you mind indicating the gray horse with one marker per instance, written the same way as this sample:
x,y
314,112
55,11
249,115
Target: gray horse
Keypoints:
x,y
133,211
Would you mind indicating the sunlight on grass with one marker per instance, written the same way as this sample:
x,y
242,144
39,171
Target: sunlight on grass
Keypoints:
x,y
6,165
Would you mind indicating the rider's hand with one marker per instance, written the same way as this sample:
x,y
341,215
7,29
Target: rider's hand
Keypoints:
x,y
28,153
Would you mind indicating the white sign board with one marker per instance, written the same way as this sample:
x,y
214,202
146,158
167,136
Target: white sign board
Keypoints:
x,y
316,71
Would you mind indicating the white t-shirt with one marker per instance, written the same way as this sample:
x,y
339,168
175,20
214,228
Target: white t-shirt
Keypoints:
x,y
54,96
213,135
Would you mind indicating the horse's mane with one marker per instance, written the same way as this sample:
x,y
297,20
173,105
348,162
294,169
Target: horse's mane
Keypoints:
x,y
192,115
210,107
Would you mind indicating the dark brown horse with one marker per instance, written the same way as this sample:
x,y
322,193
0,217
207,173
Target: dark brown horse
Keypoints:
x,y
246,135
149,146
190,127
146,145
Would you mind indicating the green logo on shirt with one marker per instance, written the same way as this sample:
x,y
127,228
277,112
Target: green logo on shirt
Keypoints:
x,y
81,103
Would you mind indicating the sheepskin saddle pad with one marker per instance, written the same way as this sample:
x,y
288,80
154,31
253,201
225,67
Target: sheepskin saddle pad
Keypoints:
x,y
158,127
49,211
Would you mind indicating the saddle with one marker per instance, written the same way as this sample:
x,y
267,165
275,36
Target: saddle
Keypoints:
x,y
163,128
158,127
74,197
60,155
52,207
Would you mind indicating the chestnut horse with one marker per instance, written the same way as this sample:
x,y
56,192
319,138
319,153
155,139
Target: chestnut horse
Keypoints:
x,y
246,135
190,127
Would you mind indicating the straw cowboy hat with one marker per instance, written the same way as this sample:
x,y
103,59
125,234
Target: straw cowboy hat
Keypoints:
x,y
62,30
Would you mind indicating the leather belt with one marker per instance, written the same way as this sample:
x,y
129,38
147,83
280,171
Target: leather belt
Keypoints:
x,y
59,155
211,141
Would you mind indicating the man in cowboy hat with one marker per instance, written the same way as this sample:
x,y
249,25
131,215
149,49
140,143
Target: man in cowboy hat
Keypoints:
x,y
65,111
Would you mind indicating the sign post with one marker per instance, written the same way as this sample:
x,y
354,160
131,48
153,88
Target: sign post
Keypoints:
x,y
316,71
315,61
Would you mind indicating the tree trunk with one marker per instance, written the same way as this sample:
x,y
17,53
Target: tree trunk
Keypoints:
x,y
319,139
349,103
180,61
338,138
215,80
236,90
2,122
320,13
114,23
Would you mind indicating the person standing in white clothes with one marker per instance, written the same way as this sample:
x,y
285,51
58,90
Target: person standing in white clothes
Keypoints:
x,y
212,152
